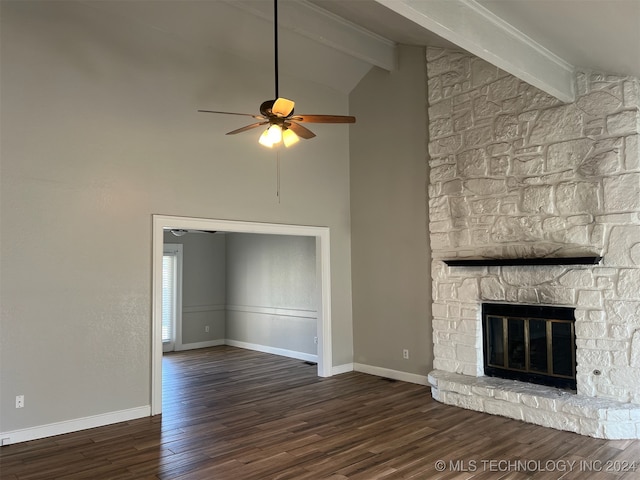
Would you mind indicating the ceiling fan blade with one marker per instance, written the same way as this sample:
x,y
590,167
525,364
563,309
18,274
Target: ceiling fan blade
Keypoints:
x,y
247,127
179,232
259,117
324,118
301,131
283,107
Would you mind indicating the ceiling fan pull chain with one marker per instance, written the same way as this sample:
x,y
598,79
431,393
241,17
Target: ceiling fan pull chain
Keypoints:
x,y
278,175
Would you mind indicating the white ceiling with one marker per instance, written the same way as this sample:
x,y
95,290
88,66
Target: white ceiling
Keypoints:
x,y
601,35
335,42
594,34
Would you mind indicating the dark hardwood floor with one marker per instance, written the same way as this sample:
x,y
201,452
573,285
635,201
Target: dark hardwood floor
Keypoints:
x,y
235,414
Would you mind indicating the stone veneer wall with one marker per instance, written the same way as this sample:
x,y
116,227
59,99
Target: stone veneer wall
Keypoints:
x,y
517,173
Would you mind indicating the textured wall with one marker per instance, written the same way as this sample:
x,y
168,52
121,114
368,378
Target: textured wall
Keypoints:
x,y
100,131
515,172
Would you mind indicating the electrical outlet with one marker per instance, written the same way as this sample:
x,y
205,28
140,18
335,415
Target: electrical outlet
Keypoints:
x,y
315,340
20,401
206,329
405,354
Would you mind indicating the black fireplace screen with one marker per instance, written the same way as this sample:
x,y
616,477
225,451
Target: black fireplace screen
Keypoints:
x,y
531,343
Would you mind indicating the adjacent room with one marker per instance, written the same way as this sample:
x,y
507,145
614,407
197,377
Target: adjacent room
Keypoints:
x,y
251,290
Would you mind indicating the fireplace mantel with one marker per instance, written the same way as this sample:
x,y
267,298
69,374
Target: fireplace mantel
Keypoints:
x,y
505,262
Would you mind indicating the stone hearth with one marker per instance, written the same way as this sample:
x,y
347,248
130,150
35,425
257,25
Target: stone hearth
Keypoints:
x,y
546,406
516,173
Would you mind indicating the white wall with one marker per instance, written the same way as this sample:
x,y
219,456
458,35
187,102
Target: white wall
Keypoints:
x,y
99,132
390,251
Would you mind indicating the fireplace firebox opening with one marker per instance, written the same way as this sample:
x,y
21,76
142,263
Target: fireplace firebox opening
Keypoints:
x,y
530,343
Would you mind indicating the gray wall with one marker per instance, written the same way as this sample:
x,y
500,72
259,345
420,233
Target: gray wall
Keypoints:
x,y
390,251
251,288
203,286
100,130
271,291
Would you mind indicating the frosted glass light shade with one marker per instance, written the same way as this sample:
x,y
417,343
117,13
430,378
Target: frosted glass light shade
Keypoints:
x,y
265,140
289,138
275,134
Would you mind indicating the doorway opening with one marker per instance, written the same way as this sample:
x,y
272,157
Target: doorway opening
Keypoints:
x,y
323,284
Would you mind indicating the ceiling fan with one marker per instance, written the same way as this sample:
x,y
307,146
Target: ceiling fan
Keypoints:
x,y
283,126
179,232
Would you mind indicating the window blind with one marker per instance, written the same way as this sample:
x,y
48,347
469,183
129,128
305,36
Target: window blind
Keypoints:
x,y
169,262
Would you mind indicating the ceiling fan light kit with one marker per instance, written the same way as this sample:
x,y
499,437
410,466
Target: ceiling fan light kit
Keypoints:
x,y
283,127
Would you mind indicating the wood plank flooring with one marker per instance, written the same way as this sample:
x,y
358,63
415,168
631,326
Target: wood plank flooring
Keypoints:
x,y
236,414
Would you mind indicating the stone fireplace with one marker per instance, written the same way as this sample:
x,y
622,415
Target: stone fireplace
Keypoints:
x,y
521,185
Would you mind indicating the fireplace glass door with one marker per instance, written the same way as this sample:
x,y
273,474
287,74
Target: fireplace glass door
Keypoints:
x,y
530,343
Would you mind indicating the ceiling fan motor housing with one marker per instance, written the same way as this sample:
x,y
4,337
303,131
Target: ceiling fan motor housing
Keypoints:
x,y
265,108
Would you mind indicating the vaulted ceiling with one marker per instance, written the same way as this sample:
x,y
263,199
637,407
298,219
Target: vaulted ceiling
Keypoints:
x,y
335,42
541,41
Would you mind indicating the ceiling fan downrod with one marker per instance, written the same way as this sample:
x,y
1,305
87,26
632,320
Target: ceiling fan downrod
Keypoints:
x,y
275,42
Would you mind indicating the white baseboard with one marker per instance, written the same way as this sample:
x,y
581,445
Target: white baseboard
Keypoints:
x,y
59,428
276,351
388,373
338,369
195,345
